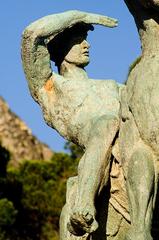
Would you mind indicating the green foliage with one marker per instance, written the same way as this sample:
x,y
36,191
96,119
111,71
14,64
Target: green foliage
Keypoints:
x,y
133,65
4,159
32,196
75,151
7,213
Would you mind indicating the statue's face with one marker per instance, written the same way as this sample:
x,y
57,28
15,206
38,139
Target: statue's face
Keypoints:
x,y
78,53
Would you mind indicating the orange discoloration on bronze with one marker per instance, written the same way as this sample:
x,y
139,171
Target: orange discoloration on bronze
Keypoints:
x,y
49,85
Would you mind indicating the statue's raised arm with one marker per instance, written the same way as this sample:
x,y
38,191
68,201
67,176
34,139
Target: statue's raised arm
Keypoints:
x,y
35,56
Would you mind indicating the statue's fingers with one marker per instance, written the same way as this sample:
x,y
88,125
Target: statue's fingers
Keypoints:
x,y
92,18
101,20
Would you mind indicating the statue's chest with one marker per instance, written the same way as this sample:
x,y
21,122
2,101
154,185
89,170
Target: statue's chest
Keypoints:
x,y
90,96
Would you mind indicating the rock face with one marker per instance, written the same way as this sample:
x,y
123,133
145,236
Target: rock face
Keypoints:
x,y
16,137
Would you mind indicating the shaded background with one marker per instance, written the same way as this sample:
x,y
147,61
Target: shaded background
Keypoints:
x,y
111,53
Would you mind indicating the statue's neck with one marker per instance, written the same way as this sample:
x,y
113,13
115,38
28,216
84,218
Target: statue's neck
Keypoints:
x,y
147,22
71,71
150,37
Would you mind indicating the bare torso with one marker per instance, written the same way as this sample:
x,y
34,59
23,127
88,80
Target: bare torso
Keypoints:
x,y
73,104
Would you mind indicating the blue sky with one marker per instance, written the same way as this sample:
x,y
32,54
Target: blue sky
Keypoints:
x,y
111,53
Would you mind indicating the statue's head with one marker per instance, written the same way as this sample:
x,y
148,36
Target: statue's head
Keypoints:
x,y
71,46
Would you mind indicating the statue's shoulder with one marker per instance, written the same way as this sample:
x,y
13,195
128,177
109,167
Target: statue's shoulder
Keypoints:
x,y
108,82
109,85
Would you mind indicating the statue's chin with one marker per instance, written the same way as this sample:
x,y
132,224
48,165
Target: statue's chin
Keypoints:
x,y
83,63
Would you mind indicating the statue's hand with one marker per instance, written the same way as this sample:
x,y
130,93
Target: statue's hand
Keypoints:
x,y
101,20
92,18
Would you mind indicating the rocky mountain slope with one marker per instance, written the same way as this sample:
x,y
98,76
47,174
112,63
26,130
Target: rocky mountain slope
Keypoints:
x,y
16,137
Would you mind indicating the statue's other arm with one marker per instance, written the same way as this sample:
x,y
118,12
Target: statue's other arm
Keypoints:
x,y
35,56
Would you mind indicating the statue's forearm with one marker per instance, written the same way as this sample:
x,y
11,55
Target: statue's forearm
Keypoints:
x,y
55,23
